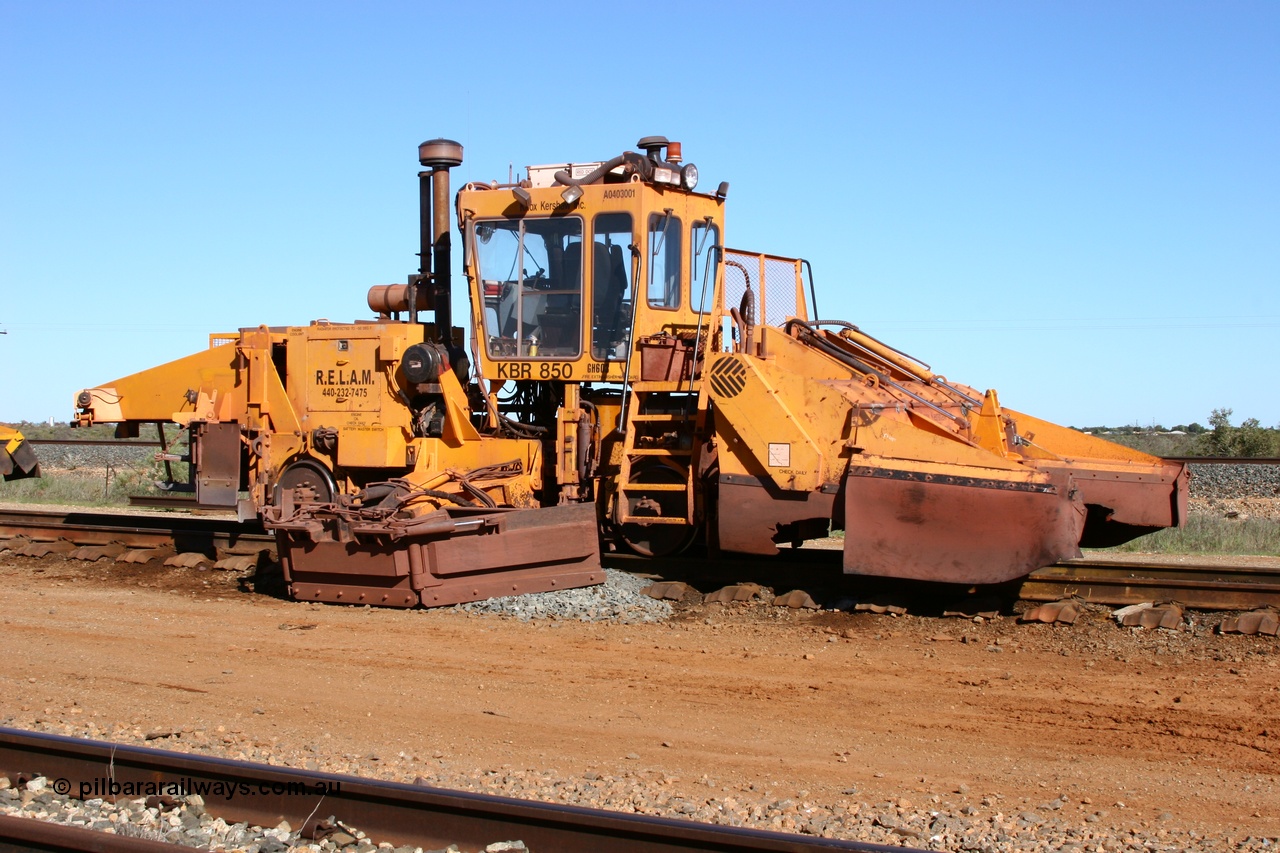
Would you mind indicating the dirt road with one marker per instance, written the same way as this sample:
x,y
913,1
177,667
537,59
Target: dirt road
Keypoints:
x,y
1179,727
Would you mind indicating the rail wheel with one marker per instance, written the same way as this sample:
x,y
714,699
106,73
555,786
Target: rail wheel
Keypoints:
x,y
309,480
658,540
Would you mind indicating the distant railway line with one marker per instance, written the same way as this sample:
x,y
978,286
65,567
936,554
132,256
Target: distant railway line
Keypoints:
x,y
1226,460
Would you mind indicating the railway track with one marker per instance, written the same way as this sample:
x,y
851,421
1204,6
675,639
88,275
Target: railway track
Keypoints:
x,y
89,527
1204,586
23,834
401,814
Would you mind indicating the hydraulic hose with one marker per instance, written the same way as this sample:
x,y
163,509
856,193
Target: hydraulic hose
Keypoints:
x,y
563,177
896,357
885,380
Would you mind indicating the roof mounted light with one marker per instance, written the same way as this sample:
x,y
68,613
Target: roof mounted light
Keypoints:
x,y
689,176
522,197
571,194
666,175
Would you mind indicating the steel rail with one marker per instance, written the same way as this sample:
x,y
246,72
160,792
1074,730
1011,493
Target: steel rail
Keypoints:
x,y
1204,587
86,527
170,502
1225,460
93,442
20,834
386,811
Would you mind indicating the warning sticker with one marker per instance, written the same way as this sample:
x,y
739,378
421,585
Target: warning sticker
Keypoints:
x,y
779,455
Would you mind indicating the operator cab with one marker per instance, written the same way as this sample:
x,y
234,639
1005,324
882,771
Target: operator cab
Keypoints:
x,y
572,266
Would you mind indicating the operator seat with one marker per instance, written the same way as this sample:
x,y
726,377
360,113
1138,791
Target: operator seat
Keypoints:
x,y
608,318
561,318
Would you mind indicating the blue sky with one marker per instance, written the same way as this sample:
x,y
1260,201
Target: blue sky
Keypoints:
x,y
1075,203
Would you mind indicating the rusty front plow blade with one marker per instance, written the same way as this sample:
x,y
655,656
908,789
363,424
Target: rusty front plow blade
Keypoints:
x,y
444,558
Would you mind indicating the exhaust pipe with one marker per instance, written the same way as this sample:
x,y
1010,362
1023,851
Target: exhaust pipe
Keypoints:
x,y
427,291
438,155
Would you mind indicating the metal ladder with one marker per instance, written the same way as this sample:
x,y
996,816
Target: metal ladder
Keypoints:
x,y
659,428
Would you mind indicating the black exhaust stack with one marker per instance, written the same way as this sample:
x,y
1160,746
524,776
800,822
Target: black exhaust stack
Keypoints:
x,y
438,155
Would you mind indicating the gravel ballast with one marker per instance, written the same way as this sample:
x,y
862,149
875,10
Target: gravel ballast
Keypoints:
x,y
930,825
1235,481
618,599
184,821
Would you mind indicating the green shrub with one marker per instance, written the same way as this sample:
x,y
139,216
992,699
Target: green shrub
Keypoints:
x,y
85,486
1251,438
1210,535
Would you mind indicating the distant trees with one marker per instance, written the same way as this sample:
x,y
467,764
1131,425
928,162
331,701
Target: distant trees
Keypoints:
x,y
1251,438
1220,438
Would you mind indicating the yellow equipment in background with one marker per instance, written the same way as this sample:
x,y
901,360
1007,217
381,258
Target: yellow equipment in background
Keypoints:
x,y
17,459
626,379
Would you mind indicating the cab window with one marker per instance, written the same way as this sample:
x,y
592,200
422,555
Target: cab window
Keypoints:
x,y
531,281
704,255
611,286
664,261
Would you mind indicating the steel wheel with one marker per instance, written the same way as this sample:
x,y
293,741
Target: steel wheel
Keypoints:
x,y
658,540
307,474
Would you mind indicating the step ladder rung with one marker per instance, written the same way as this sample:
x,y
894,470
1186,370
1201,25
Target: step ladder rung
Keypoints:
x,y
659,417
653,386
653,519
653,487
658,451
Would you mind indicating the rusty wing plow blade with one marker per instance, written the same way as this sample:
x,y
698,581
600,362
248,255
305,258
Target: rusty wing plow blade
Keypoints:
x,y
1125,502
956,529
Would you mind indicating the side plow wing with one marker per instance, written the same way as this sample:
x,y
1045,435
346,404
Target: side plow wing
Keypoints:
x,y
949,528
